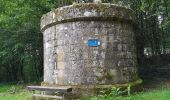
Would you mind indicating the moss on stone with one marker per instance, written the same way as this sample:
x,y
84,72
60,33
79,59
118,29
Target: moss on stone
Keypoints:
x,y
99,78
80,91
75,12
134,83
109,76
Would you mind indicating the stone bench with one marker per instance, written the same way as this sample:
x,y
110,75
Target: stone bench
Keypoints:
x,y
48,92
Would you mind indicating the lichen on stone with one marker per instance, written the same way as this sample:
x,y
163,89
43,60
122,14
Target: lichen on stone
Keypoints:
x,y
86,11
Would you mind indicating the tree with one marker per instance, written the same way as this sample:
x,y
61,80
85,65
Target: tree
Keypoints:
x,y
21,42
21,50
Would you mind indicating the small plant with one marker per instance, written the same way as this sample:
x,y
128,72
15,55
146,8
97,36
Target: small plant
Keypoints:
x,y
129,90
14,89
113,93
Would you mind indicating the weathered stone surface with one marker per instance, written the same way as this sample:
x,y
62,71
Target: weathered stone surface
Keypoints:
x,y
68,60
72,52
86,12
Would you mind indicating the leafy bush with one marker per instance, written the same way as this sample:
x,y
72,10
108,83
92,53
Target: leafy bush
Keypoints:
x,y
113,93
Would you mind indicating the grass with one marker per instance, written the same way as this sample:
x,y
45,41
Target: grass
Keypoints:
x,y
159,94
13,92
16,92
18,96
4,88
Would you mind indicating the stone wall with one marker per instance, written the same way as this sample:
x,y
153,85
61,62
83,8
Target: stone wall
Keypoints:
x,y
68,60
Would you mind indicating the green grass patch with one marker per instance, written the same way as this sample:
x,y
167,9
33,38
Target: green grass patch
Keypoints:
x,y
159,94
18,92
4,87
13,92
17,96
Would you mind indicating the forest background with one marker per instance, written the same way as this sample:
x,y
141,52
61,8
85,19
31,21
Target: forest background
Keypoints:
x,y
21,42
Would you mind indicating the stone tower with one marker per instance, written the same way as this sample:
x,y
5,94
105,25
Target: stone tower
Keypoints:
x,y
89,46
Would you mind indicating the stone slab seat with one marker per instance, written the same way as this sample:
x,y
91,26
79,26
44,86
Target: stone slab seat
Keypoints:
x,y
60,89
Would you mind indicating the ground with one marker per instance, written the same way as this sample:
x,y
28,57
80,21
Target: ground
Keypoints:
x,y
13,92
157,88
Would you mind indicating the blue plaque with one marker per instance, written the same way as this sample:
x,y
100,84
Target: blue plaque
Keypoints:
x,y
94,43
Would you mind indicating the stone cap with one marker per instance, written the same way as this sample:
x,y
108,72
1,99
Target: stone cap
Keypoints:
x,y
87,12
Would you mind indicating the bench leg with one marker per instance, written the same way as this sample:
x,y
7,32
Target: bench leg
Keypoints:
x,y
33,97
63,96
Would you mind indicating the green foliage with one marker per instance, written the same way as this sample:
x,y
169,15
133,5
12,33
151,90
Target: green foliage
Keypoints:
x,y
158,94
21,51
21,42
14,92
113,93
4,87
15,89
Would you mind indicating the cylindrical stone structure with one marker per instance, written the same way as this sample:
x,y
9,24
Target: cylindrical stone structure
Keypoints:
x,y
89,46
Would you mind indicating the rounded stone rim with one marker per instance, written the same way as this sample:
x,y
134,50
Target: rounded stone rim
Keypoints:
x,y
87,12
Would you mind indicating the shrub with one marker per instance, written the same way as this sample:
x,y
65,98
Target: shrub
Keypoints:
x,y
113,93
